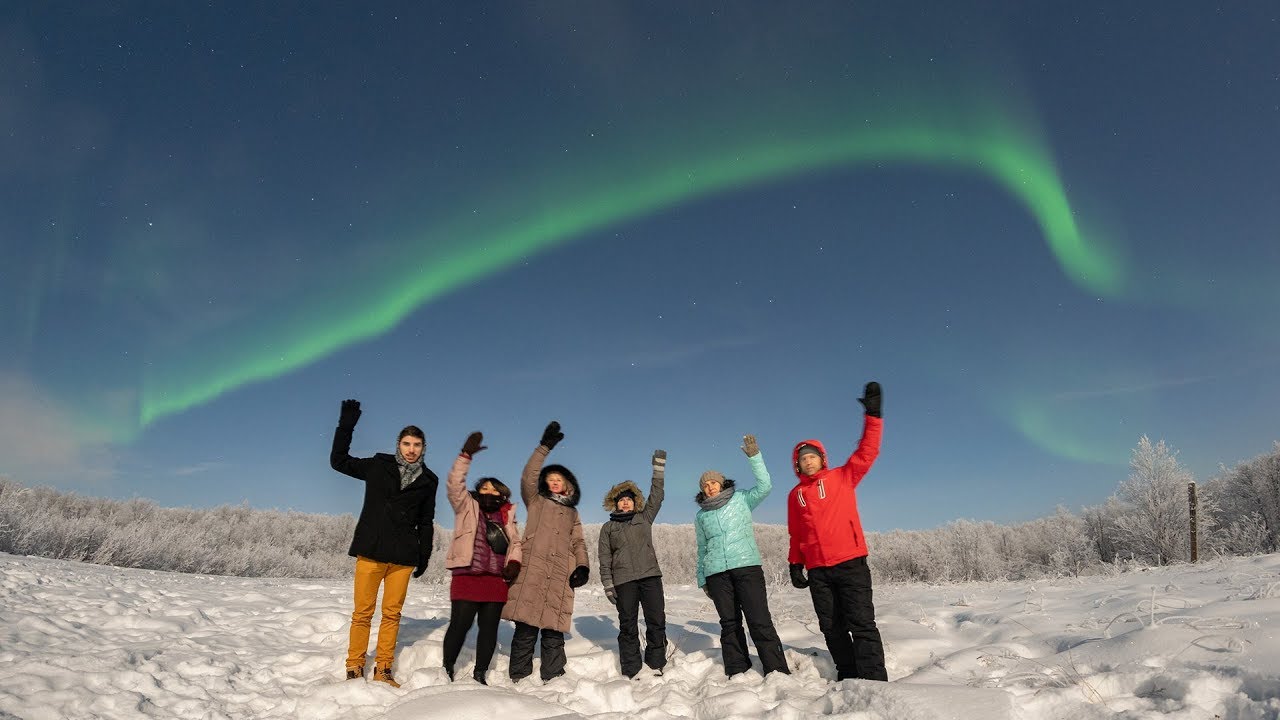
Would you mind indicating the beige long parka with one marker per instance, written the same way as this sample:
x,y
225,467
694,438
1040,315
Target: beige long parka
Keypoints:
x,y
552,545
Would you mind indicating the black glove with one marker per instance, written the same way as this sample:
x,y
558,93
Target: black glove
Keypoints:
x,y
797,576
350,414
472,445
552,435
422,567
511,571
706,590
871,399
611,595
579,576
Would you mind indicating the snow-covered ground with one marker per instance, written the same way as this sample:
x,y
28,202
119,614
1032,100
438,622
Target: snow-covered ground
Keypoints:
x,y
86,641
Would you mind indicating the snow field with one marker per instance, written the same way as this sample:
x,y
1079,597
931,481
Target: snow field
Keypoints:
x,y
89,641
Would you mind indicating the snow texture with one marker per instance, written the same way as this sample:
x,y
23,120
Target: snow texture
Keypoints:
x,y
91,641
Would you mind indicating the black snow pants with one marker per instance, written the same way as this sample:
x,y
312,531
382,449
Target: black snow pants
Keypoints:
x,y
644,593
842,599
737,593
522,642
460,620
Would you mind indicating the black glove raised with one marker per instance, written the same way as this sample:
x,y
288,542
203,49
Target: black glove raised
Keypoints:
x,y
552,435
797,576
472,445
871,399
579,576
350,414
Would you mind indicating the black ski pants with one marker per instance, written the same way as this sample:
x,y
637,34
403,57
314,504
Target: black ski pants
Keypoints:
x,y
740,593
644,593
842,599
464,612
522,642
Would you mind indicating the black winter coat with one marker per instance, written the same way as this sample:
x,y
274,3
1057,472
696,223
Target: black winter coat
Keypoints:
x,y
395,526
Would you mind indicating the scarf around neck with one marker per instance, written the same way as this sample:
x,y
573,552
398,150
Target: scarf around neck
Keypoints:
x,y
409,471
717,502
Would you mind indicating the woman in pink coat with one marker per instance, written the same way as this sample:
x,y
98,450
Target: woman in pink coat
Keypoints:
x,y
484,558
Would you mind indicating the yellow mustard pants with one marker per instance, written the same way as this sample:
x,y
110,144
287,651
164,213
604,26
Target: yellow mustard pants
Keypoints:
x,y
394,580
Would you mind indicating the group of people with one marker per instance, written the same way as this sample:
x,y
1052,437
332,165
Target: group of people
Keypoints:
x,y
530,577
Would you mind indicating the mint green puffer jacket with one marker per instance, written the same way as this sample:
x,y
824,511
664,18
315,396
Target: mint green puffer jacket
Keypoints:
x,y
726,539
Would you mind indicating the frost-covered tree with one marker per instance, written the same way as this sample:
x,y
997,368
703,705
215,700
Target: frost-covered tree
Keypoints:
x,y
1251,489
1153,523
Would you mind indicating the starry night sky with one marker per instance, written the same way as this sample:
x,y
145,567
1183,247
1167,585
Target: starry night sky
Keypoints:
x,y
1046,232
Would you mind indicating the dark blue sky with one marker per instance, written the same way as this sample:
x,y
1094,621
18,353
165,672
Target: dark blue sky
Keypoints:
x,y
1045,231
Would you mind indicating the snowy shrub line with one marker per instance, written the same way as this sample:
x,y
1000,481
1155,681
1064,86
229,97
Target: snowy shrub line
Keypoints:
x,y
1144,523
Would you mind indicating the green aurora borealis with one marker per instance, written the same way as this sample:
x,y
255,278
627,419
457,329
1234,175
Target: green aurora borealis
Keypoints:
x,y
1000,148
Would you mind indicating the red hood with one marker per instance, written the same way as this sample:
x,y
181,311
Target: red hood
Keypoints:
x,y
795,458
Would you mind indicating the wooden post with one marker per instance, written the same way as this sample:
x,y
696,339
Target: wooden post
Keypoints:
x,y
1191,499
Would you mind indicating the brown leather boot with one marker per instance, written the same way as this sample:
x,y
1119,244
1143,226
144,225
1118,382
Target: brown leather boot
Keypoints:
x,y
383,674
355,672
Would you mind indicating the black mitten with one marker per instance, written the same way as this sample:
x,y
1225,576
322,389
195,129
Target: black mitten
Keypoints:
x,y
552,435
350,414
797,576
579,576
871,399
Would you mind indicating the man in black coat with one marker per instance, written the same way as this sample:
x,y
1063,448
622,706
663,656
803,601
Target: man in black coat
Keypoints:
x,y
393,535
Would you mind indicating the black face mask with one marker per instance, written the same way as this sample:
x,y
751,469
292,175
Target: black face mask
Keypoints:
x,y
488,503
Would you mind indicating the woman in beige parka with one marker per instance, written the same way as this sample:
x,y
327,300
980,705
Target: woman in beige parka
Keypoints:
x,y
555,563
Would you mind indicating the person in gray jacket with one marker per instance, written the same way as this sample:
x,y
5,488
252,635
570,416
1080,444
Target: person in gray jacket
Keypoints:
x,y
629,570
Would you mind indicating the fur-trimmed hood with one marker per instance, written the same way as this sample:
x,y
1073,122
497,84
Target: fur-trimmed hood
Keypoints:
x,y
611,498
545,491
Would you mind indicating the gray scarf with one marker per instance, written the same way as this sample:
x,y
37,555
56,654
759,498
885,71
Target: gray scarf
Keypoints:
x,y
408,471
716,502
565,500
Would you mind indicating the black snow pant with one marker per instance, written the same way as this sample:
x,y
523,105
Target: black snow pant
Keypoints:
x,y
464,612
842,599
522,642
737,593
644,593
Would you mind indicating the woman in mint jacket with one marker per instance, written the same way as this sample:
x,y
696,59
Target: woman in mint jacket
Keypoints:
x,y
729,569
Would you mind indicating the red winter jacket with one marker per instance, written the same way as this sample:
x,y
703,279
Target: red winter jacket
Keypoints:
x,y
822,511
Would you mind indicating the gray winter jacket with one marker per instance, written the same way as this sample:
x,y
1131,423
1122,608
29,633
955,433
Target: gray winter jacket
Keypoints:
x,y
626,546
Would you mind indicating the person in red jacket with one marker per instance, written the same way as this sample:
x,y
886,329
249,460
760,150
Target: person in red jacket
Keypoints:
x,y
827,540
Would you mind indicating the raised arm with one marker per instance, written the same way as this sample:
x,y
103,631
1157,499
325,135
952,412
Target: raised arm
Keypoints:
x,y
529,478
340,455
456,483
869,446
764,483
656,492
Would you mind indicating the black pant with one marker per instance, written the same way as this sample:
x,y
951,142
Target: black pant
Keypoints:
x,y
842,599
522,641
460,619
740,592
644,593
